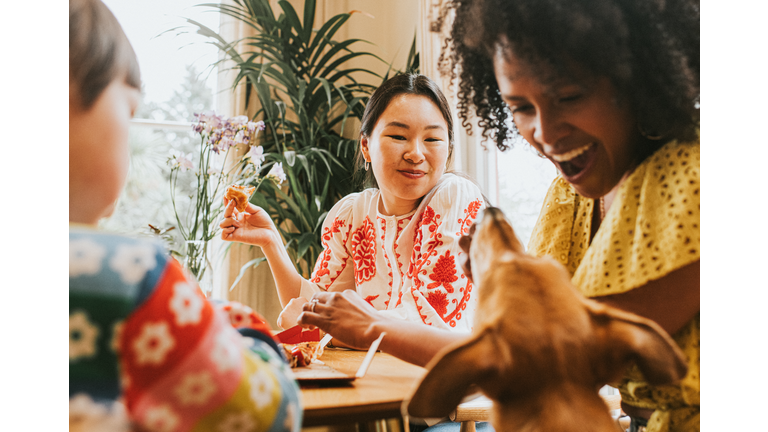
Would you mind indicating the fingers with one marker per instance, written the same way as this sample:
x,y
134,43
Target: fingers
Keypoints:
x,y
229,209
227,233
228,220
253,209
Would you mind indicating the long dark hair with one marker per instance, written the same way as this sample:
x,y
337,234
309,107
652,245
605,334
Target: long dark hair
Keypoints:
x,y
99,51
407,83
648,48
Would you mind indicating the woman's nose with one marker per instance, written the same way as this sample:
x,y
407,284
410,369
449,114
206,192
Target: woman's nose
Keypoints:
x,y
550,128
414,153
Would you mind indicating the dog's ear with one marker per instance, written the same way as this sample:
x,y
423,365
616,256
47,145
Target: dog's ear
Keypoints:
x,y
627,337
453,371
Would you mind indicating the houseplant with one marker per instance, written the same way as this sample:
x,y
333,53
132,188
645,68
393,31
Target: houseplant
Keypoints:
x,y
306,91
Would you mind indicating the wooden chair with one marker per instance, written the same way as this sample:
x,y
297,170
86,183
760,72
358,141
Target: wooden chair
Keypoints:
x,y
479,410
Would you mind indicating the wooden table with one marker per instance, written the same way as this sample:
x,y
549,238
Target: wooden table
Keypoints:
x,y
378,395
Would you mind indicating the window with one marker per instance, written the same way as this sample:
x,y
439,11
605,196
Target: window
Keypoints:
x,y
524,178
178,79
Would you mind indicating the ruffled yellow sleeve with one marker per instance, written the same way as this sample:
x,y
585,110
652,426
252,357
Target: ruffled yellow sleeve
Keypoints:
x,y
652,227
562,231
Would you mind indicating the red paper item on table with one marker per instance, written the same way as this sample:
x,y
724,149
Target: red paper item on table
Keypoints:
x,y
297,334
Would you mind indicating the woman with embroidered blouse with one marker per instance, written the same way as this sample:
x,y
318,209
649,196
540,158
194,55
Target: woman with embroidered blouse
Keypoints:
x,y
607,91
395,243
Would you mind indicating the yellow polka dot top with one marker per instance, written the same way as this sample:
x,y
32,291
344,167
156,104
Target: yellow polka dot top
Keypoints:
x,y
651,229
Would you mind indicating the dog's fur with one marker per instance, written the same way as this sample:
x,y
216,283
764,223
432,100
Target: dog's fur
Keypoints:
x,y
539,350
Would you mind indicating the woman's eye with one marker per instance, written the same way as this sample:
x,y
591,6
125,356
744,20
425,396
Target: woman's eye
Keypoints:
x,y
570,98
397,137
521,108
438,140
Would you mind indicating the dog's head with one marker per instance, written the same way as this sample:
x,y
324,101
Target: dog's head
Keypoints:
x,y
539,347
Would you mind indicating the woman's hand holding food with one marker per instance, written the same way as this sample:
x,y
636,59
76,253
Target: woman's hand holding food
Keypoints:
x,y
252,226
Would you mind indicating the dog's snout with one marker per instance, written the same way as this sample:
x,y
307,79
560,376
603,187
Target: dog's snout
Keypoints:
x,y
466,241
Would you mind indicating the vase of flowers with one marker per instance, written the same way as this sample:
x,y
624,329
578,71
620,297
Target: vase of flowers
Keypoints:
x,y
198,181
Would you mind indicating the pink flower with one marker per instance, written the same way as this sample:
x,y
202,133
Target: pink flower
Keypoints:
x,y
180,160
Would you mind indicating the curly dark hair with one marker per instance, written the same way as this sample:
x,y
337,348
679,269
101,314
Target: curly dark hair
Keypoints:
x,y
649,49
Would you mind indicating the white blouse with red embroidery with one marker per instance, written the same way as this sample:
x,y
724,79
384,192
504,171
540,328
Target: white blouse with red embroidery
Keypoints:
x,y
405,266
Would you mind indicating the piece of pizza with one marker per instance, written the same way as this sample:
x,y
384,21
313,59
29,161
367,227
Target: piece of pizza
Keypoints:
x,y
240,195
302,354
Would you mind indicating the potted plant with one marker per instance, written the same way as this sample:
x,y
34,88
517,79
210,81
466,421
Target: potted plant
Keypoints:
x,y
306,91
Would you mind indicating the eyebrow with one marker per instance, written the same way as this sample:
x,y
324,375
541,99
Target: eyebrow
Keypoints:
x,y
405,126
513,98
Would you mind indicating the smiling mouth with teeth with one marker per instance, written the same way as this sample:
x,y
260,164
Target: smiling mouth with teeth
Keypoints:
x,y
575,161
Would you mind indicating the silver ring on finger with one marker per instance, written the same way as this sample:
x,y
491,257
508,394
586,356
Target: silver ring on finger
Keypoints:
x,y
314,303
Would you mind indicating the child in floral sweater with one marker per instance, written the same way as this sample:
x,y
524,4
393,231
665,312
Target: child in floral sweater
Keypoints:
x,y
139,330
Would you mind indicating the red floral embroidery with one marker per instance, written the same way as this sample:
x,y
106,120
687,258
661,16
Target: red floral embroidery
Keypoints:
x,y
321,267
404,221
383,226
470,215
444,273
431,220
370,299
364,251
439,302
461,306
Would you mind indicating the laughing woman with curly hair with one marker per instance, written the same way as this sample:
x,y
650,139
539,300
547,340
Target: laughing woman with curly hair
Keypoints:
x,y
608,90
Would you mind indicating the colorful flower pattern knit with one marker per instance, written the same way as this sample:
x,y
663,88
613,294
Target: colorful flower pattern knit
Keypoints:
x,y
139,330
406,266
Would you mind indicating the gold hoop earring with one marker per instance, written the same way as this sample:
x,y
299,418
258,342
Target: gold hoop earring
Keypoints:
x,y
649,135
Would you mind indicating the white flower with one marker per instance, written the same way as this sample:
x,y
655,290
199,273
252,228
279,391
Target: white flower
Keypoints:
x,y
239,314
252,126
242,422
276,173
261,389
161,419
85,257
131,262
195,388
225,353
82,336
256,153
239,137
85,414
154,342
117,332
238,120
186,304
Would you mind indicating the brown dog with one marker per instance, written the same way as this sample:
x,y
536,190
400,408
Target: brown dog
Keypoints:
x,y
539,350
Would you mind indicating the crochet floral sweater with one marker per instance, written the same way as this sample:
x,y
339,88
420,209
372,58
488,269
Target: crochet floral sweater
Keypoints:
x,y
139,330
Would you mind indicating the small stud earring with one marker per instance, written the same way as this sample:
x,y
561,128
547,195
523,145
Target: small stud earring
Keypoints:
x,y
367,165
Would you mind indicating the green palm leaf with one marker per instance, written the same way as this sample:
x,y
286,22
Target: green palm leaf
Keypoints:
x,y
307,91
